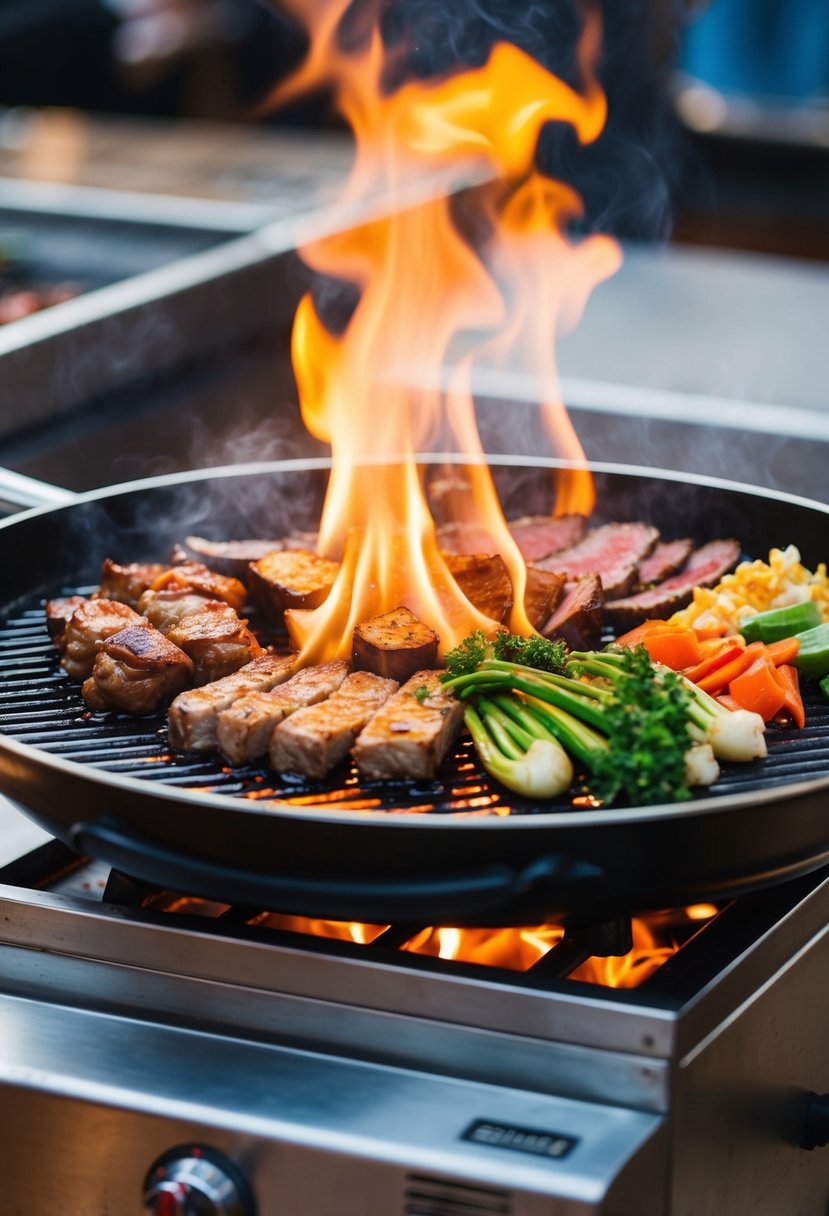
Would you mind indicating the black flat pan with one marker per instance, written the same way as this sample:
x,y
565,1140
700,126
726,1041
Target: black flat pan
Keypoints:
x,y
452,851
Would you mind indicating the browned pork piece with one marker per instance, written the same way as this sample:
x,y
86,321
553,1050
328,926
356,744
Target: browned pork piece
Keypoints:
x,y
193,576
136,671
543,591
613,551
704,568
92,622
314,739
244,729
227,556
410,735
538,536
164,609
484,580
194,714
668,557
291,578
128,583
59,613
578,618
394,645
216,640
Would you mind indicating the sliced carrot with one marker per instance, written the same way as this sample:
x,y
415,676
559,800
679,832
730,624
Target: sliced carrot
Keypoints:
x,y
792,709
675,650
712,663
637,636
757,689
728,702
784,651
717,681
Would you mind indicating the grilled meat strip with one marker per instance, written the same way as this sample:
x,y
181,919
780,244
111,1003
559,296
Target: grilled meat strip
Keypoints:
x,y
314,739
613,551
668,557
164,609
578,618
244,729
194,714
59,613
92,622
410,735
538,536
128,583
704,568
193,576
216,640
136,670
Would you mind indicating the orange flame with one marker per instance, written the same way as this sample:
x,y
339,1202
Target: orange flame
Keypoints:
x,y
423,288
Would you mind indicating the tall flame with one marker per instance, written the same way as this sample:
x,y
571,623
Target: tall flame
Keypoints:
x,y
422,288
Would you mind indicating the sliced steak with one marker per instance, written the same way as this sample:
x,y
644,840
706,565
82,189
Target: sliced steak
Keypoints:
x,y
668,557
409,736
704,568
244,729
579,617
613,551
313,740
538,536
195,713
462,539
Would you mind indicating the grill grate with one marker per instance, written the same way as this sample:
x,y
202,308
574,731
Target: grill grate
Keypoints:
x,y
41,706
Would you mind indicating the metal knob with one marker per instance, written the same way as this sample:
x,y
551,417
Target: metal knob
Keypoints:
x,y
196,1181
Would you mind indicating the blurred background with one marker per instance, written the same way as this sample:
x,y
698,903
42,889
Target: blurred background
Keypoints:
x,y
134,144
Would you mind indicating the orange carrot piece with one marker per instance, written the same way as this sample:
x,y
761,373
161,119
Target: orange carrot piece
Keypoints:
x,y
757,689
792,709
729,702
675,650
712,663
720,679
638,635
783,651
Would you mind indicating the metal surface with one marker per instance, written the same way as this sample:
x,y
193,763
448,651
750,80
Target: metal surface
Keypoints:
x,y
769,822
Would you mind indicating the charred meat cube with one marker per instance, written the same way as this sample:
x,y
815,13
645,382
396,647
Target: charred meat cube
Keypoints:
x,y
291,578
164,609
128,583
232,557
394,645
193,576
136,671
579,617
194,714
543,591
92,622
412,732
217,641
314,739
59,613
245,728
485,582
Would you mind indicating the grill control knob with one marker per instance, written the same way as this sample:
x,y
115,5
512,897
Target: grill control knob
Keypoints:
x,y
196,1181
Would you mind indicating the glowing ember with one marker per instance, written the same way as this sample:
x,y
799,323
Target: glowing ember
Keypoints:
x,y
422,289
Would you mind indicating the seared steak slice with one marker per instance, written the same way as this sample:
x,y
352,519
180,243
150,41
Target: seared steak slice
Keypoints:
x,y
245,727
461,539
410,735
164,609
193,576
538,536
195,713
485,582
127,583
217,641
668,557
704,568
613,551
59,613
314,739
136,670
92,622
542,593
578,618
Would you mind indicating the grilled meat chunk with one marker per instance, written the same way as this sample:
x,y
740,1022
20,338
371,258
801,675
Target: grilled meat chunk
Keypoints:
x,y
668,557
164,609
485,582
314,739
216,640
394,645
193,576
538,536
578,618
291,578
543,591
59,613
194,714
136,670
704,568
244,729
613,551
230,557
410,735
128,583
462,539
92,622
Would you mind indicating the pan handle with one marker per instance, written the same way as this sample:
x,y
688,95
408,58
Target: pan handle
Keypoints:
x,y
438,897
18,493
